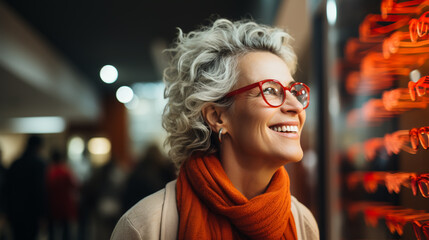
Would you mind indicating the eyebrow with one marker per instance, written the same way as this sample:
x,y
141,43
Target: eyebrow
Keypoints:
x,y
291,82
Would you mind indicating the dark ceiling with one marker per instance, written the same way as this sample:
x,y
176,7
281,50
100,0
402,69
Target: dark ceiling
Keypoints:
x,y
91,34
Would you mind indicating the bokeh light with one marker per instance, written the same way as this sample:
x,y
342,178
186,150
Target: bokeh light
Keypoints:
x,y
76,147
109,74
124,94
331,12
99,145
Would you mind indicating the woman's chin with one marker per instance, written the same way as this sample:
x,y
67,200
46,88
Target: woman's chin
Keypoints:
x,y
293,156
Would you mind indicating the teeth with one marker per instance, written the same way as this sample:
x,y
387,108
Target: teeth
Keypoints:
x,y
285,128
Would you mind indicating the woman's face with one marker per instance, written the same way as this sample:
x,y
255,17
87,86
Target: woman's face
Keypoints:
x,y
253,125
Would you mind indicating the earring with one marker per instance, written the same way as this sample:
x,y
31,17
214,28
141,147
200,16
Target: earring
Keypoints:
x,y
220,135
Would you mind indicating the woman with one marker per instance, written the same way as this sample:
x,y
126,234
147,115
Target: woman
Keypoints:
x,y
234,117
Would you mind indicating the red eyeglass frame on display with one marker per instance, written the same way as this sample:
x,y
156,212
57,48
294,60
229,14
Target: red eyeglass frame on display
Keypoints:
x,y
418,89
394,181
420,182
373,214
414,138
421,229
396,221
375,27
418,27
423,136
419,136
371,180
260,83
396,217
401,43
408,7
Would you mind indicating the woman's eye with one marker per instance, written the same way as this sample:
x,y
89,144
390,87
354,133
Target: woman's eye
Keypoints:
x,y
270,91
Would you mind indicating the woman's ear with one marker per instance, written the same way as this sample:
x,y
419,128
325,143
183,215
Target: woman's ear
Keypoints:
x,y
214,116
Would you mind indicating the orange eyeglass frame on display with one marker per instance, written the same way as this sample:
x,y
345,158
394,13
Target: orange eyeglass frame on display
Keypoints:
x,y
420,183
396,221
419,135
401,43
371,180
396,217
376,63
405,7
421,229
392,142
394,181
418,27
374,28
397,141
418,89
400,100
375,213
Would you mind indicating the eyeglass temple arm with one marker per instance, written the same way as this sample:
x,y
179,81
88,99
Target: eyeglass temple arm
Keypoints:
x,y
243,89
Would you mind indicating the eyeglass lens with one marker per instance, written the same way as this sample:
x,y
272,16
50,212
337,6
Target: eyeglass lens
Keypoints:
x,y
414,139
423,138
274,94
422,184
424,187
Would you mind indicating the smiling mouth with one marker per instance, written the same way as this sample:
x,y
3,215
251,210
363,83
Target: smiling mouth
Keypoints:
x,y
285,129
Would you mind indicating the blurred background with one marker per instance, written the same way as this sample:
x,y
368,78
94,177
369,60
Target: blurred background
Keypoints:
x,y
81,92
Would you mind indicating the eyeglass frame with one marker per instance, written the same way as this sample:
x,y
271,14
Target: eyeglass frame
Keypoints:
x,y
415,88
414,138
422,133
416,182
394,181
396,221
260,83
420,227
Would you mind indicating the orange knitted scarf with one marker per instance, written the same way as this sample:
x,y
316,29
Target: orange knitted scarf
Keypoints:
x,y
211,208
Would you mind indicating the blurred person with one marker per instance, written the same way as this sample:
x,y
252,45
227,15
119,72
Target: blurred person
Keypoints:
x,y
150,174
81,167
25,191
62,189
102,195
234,118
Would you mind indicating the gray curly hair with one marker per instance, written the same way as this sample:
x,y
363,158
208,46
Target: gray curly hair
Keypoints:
x,y
203,69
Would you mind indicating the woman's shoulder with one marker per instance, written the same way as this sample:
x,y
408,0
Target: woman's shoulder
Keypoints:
x,y
144,219
305,222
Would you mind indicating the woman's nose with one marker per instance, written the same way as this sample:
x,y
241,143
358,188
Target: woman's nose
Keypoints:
x,y
291,103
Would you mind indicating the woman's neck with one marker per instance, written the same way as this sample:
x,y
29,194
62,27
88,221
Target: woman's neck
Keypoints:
x,y
247,175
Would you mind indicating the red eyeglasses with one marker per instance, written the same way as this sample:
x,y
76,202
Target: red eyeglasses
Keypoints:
x,y
274,93
419,88
420,182
421,229
419,135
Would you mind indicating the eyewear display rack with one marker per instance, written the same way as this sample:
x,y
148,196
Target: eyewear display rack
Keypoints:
x,y
384,96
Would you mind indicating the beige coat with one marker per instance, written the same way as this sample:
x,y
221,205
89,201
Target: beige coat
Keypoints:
x,y
156,217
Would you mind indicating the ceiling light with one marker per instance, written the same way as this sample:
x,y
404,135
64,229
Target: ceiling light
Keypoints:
x,y
38,125
331,11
